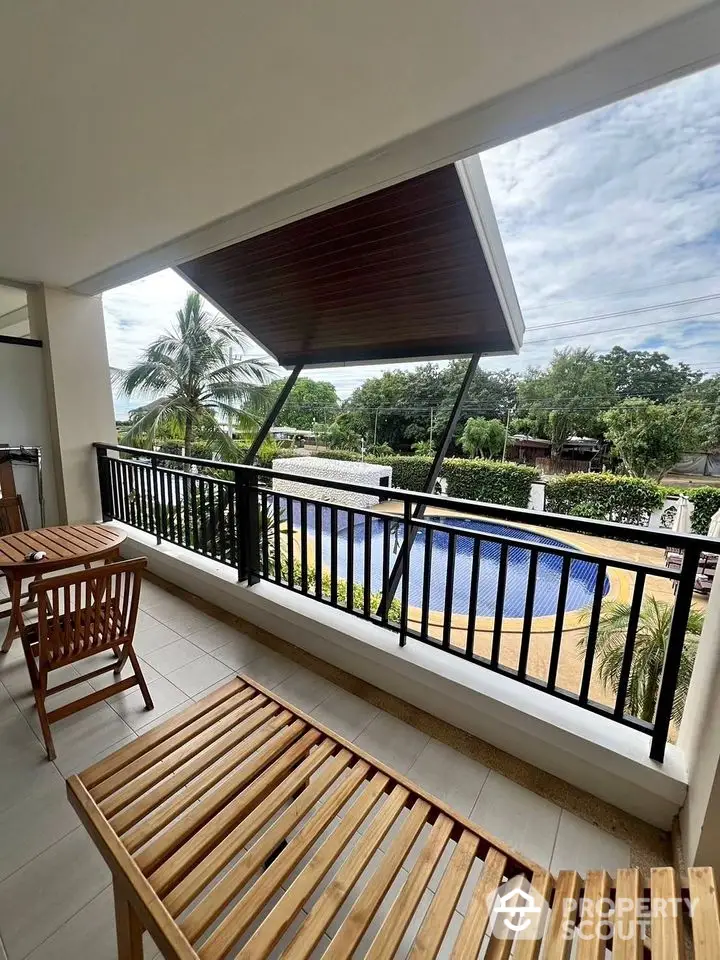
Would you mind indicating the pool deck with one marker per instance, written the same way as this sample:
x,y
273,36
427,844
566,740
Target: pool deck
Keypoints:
x,y
570,665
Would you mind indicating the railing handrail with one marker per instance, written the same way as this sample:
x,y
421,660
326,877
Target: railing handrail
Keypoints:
x,y
608,530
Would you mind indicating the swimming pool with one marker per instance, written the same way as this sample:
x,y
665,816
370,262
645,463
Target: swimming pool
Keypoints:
x,y
581,584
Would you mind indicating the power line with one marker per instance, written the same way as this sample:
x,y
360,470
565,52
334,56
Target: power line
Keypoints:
x,y
628,327
623,293
626,313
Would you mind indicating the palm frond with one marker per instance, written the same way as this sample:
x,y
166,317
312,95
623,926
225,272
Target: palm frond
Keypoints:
x,y
650,649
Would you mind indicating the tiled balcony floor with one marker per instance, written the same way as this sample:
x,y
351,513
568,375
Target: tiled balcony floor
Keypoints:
x,y
55,900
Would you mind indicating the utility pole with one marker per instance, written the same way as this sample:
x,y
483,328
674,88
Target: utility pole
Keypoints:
x,y
377,414
507,431
432,423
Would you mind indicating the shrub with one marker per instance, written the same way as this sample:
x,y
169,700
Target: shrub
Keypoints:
x,y
342,586
489,481
408,473
706,501
621,499
588,510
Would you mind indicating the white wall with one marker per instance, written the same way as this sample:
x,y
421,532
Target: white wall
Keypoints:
x,y
24,419
344,471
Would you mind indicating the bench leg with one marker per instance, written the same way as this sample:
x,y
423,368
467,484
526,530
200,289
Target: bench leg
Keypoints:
x,y
128,928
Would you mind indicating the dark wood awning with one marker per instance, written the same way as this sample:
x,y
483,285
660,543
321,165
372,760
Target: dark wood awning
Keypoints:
x,y
415,270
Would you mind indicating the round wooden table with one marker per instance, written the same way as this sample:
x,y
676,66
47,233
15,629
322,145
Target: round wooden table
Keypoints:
x,y
71,546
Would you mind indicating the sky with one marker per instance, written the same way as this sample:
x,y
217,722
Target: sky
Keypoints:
x,y
609,213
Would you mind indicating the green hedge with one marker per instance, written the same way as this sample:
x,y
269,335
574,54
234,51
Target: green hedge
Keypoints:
x,y
706,501
622,499
489,481
409,473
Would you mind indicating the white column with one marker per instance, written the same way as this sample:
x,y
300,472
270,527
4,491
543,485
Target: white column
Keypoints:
x,y
699,739
80,405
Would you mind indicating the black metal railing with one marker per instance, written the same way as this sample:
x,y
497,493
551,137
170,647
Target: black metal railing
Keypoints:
x,y
505,597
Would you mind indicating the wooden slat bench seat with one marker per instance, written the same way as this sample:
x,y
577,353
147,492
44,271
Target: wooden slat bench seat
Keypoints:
x,y
242,827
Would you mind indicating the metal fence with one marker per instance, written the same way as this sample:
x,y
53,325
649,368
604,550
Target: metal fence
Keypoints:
x,y
452,574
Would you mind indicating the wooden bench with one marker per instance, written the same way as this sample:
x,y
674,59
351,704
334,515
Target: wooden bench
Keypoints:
x,y
242,825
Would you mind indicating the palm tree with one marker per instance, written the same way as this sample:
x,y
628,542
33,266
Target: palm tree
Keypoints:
x,y
197,373
651,642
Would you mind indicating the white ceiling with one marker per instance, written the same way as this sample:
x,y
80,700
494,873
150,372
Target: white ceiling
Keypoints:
x,y
126,125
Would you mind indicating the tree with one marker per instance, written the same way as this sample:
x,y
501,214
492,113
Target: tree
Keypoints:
x,y
491,394
341,436
650,437
651,642
706,394
649,374
395,408
310,402
483,438
567,398
196,375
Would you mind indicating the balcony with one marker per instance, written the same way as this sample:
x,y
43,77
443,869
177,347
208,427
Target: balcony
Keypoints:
x,y
55,899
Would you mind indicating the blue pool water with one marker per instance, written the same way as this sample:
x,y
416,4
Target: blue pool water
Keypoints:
x,y
581,585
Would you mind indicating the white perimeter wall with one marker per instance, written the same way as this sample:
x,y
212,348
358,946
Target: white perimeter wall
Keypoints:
x,y
346,471
24,420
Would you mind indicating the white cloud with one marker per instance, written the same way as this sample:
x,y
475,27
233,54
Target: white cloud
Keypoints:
x,y
617,209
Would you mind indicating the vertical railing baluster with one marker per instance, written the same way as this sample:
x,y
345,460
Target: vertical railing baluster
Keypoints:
x,y
333,554
291,543
367,565
195,513
252,480
673,656
231,532
212,519
405,585
559,623
240,526
592,633
449,588
303,547
157,506
499,606
277,540
265,535
427,580
626,667
350,540
182,535
473,599
186,509
318,550
221,522
201,546
528,618
385,565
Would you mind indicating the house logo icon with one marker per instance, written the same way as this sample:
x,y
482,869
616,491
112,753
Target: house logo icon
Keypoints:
x,y
517,911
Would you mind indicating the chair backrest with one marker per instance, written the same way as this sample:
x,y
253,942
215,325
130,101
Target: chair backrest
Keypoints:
x,y
12,515
84,612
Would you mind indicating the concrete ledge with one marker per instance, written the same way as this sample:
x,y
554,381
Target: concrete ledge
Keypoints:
x,y
591,752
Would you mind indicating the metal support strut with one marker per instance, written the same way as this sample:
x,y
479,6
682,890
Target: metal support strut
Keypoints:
x,y
393,583
267,424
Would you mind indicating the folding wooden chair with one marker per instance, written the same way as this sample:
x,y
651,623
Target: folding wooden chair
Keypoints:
x,y
12,520
81,614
